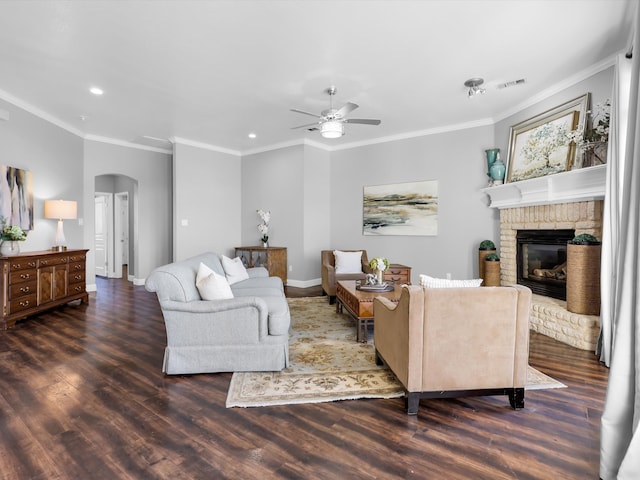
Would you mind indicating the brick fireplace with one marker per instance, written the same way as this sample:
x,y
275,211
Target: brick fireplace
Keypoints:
x,y
534,205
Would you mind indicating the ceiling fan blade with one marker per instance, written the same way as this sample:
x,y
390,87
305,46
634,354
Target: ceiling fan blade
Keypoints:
x,y
346,109
315,124
306,113
364,121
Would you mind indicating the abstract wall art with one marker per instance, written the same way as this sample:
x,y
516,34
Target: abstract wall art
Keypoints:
x,y
16,197
401,209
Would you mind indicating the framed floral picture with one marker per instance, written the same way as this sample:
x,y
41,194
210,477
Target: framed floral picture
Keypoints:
x,y
542,145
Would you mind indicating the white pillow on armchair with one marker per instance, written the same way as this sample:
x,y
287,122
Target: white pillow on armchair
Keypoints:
x,y
348,262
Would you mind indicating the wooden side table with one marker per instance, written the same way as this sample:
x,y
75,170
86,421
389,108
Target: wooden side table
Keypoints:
x,y
397,273
274,259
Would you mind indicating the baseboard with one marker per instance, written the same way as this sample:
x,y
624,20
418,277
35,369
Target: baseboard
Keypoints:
x,y
92,288
139,281
304,283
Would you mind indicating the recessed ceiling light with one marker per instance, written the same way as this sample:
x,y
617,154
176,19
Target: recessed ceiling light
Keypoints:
x,y
252,135
96,91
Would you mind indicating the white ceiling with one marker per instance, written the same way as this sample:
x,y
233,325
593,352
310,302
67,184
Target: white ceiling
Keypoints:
x,y
211,72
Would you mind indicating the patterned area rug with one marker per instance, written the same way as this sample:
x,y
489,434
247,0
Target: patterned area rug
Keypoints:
x,y
327,364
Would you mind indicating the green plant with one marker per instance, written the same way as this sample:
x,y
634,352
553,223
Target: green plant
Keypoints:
x,y
492,257
487,245
584,239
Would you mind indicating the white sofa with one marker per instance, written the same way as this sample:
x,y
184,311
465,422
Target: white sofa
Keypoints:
x,y
249,332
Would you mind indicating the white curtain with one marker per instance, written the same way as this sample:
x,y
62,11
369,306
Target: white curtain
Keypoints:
x,y
620,346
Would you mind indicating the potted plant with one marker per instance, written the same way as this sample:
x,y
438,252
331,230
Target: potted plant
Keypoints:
x,y
486,247
491,270
583,274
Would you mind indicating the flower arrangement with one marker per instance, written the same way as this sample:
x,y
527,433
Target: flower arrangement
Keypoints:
x,y
13,233
591,139
379,264
263,228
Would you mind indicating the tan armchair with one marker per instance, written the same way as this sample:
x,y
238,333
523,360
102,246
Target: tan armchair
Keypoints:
x,y
330,278
455,342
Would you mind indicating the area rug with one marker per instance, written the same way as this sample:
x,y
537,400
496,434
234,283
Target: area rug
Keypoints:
x,y
327,364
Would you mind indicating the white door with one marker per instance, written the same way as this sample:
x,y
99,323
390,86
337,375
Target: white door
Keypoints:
x,y
101,239
121,231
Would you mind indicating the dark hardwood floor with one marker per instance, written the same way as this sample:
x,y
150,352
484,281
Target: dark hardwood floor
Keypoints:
x,y
82,397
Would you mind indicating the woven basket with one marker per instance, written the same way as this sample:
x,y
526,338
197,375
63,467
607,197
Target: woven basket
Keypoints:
x,y
583,279
491,273
481,255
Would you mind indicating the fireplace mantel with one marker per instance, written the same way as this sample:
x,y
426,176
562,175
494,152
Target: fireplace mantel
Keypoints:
x,y
574,186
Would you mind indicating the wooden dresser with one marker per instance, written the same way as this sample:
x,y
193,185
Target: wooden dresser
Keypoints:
x,y
273,259
397,273
36,281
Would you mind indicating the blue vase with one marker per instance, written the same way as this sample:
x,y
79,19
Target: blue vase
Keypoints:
x,y
492,155
497,171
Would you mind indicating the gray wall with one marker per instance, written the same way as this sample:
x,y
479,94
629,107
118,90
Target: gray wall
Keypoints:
x,y
206,187
456,160
153,211
293,183
55,158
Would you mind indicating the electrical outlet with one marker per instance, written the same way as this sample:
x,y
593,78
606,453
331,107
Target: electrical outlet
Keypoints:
x,y
448,276
291,268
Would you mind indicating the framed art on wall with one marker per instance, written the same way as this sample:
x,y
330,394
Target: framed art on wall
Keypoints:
x,y
16,197
541,145
401,209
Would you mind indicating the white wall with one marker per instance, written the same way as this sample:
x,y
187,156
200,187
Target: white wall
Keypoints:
x,y
152,171
206,187
54,157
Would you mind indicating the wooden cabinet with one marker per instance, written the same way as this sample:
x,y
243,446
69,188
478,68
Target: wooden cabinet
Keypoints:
x,y
397,273
36,281
274,259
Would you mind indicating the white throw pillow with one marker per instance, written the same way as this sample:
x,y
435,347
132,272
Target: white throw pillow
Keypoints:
x,y
348,262
203,271
234,270
214,287
431,282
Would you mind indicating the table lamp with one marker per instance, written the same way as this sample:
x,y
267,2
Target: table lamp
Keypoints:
x,y
62,210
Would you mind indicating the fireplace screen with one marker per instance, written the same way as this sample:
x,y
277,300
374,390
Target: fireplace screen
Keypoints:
x,y
542,261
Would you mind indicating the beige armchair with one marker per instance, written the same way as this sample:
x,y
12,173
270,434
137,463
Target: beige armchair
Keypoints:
x,y
455,342
330,277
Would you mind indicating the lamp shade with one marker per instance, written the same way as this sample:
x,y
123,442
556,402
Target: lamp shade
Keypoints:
x,y
332,129
61,209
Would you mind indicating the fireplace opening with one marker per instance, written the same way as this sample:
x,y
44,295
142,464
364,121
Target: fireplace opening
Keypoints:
x,y
541,261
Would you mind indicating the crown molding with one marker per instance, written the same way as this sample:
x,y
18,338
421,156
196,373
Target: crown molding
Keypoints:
x,y
123,143
27,107
558,87
204,146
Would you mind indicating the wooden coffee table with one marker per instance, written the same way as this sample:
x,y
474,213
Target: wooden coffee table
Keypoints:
x,y
359,304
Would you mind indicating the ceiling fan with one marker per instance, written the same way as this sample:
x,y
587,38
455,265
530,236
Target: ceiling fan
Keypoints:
x,y
331,122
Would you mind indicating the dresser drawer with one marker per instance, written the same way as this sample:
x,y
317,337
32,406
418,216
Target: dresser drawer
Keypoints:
x,y
22,289
22,264
21,276
76,276
76,288
51,261
77,258
78,267
23,303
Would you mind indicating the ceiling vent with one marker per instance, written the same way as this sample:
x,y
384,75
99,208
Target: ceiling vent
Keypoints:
x,y
512,83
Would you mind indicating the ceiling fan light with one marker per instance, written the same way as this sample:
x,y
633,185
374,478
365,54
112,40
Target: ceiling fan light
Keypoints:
x,y
332,129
